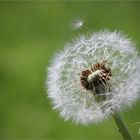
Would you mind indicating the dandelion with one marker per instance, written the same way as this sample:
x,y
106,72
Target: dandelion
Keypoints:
x,y
94,77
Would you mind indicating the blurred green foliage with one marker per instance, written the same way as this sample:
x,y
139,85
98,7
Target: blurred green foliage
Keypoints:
x,y
30,34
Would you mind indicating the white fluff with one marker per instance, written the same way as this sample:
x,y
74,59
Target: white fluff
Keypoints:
x,y
76,103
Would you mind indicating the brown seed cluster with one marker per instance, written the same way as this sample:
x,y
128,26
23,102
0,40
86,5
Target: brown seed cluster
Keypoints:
x,y
100,83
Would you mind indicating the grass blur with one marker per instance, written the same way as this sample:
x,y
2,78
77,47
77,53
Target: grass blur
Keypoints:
x,y
30,34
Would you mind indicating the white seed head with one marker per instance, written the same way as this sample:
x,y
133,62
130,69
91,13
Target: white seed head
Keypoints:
x,y
120,89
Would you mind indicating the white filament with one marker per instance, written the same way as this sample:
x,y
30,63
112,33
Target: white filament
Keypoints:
x,y
76,24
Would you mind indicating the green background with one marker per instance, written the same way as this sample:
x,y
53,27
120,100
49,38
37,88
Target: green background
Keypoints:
x,y
30,34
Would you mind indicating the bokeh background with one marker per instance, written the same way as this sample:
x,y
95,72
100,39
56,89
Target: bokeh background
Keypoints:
x,y
30,34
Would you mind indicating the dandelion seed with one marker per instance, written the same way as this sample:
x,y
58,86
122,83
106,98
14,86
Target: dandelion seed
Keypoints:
x,y
77,24
94,76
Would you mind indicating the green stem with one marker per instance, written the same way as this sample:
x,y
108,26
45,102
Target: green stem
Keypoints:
x,y
122,128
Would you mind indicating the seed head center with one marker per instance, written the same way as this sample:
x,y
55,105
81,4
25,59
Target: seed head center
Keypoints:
x,y
97,78
93,76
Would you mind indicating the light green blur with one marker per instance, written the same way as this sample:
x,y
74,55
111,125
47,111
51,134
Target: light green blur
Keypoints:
x,y
30,34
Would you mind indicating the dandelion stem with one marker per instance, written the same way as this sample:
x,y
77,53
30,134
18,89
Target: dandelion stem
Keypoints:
x,y
122,128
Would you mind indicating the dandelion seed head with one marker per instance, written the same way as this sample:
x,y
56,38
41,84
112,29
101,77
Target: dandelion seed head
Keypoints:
x,y
121,89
